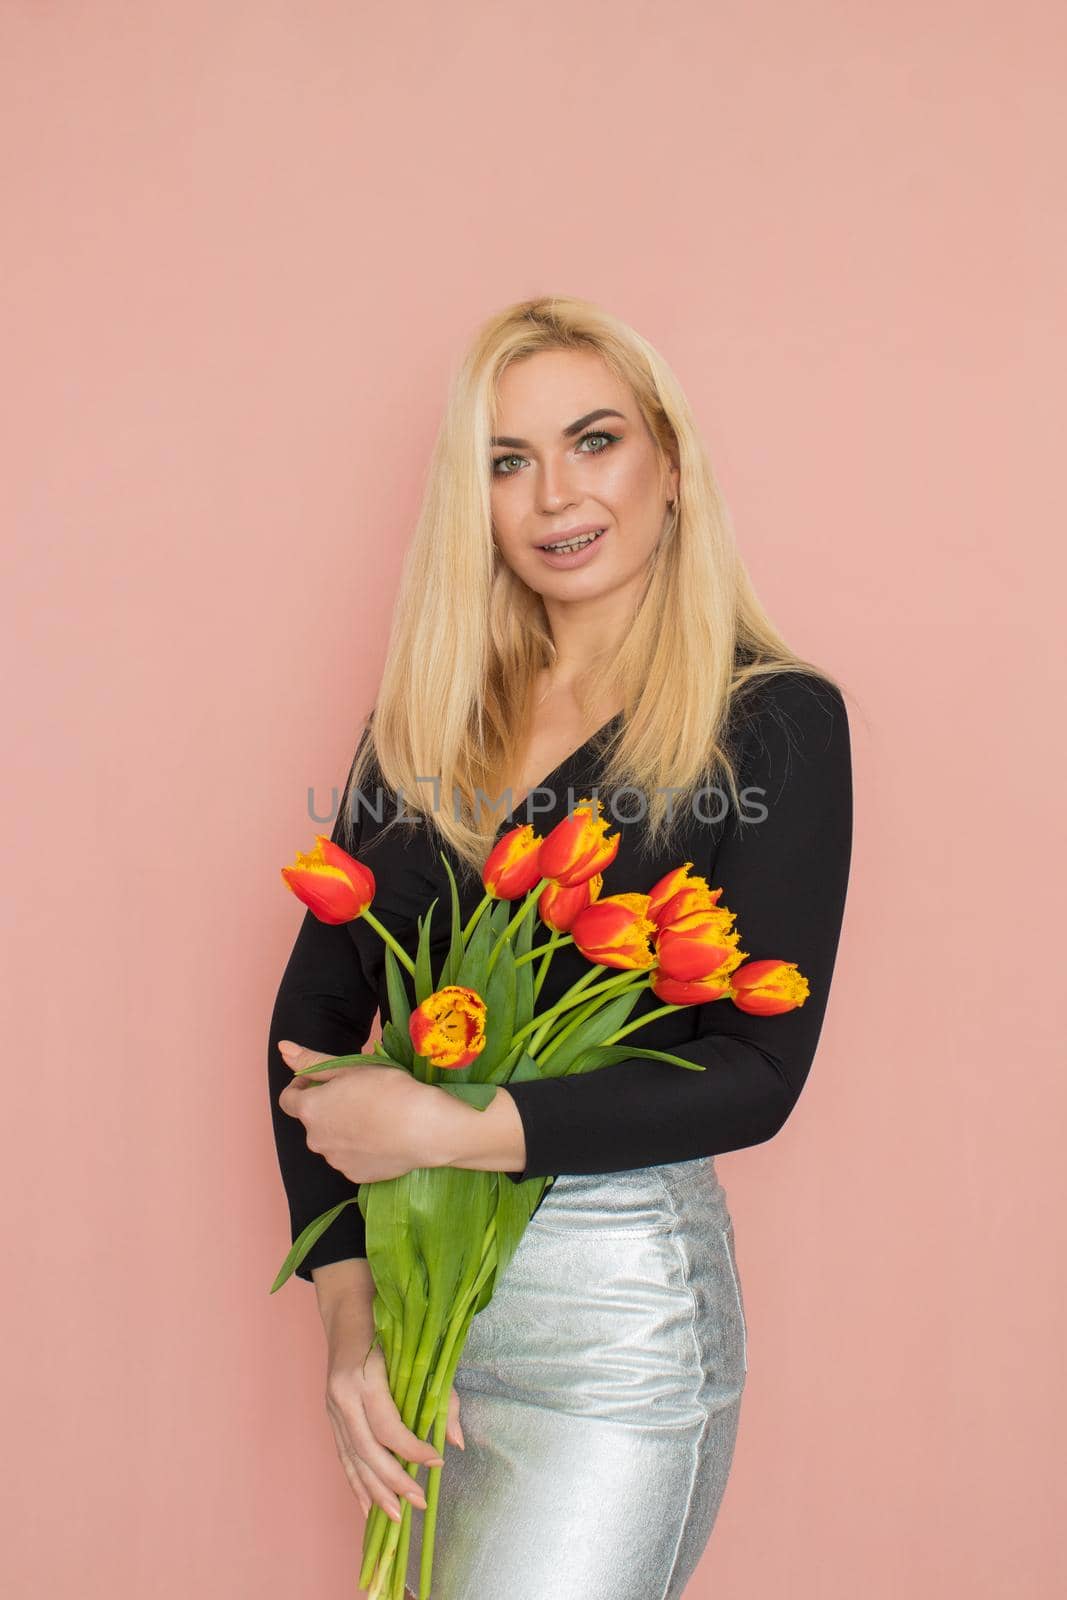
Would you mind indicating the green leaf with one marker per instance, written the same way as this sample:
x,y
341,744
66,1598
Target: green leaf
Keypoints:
x,y
525,1069
394,1042
499,999
593,1030
304,1241
610,1053
524,974
478,1095
571,1020
424,1233
454,958
389,1252
399,1011
515,1205
362,1058
471,973
500,1017
424,981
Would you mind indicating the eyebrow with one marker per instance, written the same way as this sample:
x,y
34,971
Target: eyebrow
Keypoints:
x,y
567,433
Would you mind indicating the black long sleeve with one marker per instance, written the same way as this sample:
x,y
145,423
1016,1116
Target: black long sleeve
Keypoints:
x,y
783,872
785,878
325,1001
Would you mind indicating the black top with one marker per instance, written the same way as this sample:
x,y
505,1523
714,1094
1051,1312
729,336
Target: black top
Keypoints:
x,y
783,867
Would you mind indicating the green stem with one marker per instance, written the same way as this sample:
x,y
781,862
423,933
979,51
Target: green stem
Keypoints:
x,y
378,1522
576,995
433,1496
553,945
400,1562
440,1394
400,1360
620,987
649,1016
377,1526
531,899
476,916
397,949
557,940
430,1407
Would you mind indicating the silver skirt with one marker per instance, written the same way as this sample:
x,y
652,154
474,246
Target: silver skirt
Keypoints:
x,y
600,1393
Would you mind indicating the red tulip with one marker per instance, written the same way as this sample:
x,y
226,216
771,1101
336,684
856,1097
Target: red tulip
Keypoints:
x,y
333,884
764,988
679,892
511,868
558,907
616,932
696,992
699,944
579,846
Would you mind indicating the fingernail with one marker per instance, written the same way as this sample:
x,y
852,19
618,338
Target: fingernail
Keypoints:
x,y
436,1461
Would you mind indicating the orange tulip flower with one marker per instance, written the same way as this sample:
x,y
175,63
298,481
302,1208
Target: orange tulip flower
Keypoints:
x,y
694,992
449,1027
616,932
688,895
579,846
699,944
678,893
333,884
764,988
511,868
558,907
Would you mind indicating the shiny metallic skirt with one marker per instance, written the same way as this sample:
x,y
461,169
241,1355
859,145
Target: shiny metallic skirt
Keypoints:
x,y
600,1394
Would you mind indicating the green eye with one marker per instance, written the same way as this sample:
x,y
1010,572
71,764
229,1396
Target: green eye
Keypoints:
x,y
612,438
598,433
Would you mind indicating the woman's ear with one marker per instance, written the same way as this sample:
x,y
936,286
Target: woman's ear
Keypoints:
x,y
673,477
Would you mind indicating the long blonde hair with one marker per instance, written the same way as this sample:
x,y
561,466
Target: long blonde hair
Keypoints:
x,y
469,638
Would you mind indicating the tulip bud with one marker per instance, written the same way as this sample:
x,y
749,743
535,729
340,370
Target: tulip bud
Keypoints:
x,y
558,907
677,893
616,932
331,883
579,846
512,868
765,988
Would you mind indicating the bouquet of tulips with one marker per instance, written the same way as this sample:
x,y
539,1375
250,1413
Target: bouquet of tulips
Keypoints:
x,y
439,1239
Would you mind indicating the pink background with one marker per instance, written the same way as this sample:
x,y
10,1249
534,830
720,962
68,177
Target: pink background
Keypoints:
x,y
244,245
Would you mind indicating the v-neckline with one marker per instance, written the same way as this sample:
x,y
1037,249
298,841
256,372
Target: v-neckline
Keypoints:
x,y
567,759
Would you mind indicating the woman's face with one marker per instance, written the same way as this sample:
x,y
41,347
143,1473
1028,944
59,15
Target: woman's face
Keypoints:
x,y
572,453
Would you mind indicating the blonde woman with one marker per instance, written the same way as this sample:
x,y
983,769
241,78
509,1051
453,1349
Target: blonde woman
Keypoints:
x,y
595,1411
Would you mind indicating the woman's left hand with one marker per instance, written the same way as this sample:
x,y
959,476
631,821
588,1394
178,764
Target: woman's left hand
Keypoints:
x,y
368,1122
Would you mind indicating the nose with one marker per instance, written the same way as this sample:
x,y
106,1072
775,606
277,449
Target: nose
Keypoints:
x,y
554,488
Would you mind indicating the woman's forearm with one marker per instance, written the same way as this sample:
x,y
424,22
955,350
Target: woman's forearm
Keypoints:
x,y
458,1135
340,1284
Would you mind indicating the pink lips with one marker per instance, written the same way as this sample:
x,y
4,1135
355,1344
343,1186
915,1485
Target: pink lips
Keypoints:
x,y
574,558
570,533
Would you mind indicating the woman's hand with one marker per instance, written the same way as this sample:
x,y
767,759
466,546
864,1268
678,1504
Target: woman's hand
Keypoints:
x,y
366,1423
369,1122
379,1122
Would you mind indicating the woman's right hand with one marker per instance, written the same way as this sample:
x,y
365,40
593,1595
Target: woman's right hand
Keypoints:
x,y
366,1423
